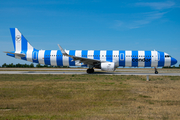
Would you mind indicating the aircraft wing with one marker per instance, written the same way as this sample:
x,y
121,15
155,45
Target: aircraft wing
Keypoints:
x,y
18,54
81,59
85,60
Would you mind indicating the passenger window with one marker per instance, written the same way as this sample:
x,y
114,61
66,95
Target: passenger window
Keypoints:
x,y
167,56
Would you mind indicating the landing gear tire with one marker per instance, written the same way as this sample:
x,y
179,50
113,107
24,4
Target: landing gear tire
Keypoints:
x,y
156,72
90,71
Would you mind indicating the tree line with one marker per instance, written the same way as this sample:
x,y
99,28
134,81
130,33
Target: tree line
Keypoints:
x,y
29,66
173,67
43,66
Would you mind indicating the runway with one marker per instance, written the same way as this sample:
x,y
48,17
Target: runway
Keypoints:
x,y
69,69
84,73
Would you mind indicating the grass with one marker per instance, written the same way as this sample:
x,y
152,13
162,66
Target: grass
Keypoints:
x,y
89,97
142,70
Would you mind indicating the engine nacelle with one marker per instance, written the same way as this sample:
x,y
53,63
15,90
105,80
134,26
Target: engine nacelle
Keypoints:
x,y
108,66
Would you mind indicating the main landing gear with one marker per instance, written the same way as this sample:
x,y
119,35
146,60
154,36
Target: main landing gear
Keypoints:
x,y
90,70
156,72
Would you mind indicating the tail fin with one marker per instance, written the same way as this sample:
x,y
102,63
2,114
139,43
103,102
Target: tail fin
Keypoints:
x,y
19,41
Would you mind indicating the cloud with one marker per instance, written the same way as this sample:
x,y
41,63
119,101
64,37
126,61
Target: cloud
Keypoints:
x,y
138,20
119,23
148,18
145,18
157,5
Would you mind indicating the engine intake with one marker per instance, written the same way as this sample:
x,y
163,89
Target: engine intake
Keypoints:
x,y
108,66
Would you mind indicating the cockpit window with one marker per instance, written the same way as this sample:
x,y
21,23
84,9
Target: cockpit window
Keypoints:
x,y
167,56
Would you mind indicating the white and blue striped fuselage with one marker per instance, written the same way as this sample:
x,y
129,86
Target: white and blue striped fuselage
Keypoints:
x,y
103,59
120,58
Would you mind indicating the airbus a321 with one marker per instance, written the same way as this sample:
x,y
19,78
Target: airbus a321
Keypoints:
x,y
106,60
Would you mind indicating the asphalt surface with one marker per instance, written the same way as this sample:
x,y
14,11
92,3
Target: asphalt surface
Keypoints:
x,y
70,69
95,73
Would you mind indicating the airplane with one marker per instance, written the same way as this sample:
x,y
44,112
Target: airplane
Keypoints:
x,y
106,60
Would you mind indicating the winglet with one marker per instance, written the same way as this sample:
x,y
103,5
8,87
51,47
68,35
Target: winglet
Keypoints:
x,y
62,50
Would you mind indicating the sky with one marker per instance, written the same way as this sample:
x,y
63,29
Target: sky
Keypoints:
x,y
92,24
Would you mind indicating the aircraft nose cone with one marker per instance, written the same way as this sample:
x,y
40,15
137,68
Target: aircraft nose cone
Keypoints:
x,y
173,61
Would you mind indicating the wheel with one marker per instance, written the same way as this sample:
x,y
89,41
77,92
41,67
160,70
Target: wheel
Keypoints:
x,y
156,72
90,70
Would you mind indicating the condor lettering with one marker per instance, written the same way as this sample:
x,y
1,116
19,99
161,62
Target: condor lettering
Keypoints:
x,y
141,60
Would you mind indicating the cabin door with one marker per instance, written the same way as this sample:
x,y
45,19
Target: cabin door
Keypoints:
x,y
34,55
157,56
121,56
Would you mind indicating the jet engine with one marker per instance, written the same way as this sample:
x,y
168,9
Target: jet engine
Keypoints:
x,y
108,66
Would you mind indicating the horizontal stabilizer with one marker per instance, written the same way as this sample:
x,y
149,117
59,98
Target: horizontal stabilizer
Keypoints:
x,y
18,54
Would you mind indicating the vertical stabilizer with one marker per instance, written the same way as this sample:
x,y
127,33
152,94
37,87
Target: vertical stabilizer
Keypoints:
x,y
19,41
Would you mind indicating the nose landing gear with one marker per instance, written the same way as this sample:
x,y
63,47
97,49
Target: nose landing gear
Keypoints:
x,y
156,72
